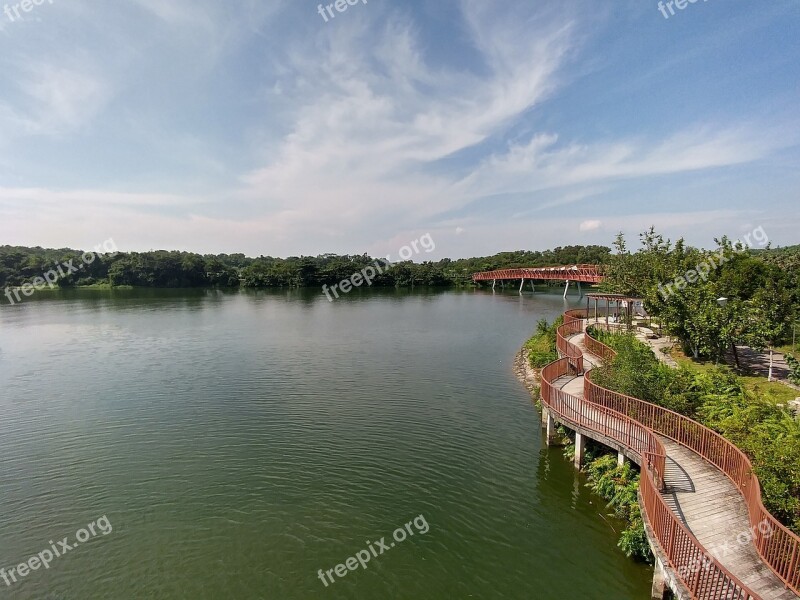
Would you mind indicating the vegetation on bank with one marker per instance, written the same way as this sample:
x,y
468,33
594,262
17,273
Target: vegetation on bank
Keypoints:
x,y
163,269
752,418
619,486
541,346
682,287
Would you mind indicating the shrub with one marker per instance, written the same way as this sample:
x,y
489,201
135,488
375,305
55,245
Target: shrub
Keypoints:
x,y
718,399
542,346
620,486
794,369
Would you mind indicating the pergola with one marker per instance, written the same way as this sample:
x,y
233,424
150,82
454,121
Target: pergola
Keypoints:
x,y
620,302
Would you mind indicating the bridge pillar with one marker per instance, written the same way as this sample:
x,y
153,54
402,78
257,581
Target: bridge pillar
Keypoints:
x,y
494,283
566,289
659,590
580,293
620,459
580,449
533,287
522,285
550,425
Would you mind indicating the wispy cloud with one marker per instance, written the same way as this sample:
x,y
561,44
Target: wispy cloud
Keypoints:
x,y
256,125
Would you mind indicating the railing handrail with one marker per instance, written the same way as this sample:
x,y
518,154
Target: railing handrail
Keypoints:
x,y
581,272
675,539
778,546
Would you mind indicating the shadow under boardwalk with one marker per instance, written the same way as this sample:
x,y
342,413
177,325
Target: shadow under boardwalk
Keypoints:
x,y
705,500
711,507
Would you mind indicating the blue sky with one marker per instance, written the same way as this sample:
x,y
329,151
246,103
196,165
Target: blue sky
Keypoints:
x,y
257,127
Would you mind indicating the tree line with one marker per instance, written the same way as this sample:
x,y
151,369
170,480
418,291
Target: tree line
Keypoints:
x,y
172,269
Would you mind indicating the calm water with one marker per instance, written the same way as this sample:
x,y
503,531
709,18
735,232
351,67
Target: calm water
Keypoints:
x,y
240,442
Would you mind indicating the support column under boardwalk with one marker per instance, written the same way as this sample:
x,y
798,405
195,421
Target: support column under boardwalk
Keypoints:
x,y
580,449
659,590
550,425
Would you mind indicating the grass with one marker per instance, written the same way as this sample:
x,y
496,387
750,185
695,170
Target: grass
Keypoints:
x,y
104,286
95,286
787,349
753,383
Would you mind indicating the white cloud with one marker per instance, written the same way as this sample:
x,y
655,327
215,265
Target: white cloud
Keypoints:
x,y
356,134
591,225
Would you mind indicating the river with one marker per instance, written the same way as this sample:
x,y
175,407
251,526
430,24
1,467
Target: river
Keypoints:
x,y
237,443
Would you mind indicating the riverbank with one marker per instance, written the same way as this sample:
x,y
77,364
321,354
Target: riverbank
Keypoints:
x,y
615,483
527,374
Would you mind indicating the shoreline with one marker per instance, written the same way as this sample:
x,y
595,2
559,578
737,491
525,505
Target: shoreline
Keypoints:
x,y
526,374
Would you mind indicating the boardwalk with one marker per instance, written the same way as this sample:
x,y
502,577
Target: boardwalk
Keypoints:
x,y
712,508
701,496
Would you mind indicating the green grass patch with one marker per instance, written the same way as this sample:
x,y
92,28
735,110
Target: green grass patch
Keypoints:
x,y
756,384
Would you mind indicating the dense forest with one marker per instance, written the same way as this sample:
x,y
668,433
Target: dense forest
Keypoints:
x,y
168,269
764,277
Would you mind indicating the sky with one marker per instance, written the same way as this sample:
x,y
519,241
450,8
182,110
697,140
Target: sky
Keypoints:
x,y
273,128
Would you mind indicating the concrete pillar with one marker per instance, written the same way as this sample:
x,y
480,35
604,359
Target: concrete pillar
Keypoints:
x,y
522,285
566,289
494,283
580,293
659,590
580,449
550,426
533,287
620,459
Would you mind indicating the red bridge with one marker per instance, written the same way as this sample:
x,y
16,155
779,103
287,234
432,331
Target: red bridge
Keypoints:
x,y
577,273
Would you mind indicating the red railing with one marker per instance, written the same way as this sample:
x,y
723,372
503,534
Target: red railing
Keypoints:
x,y
583,273
598,348
778,546
577,411
710,580
571,326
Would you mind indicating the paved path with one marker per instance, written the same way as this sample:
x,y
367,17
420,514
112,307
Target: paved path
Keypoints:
x,y
708,504
756,362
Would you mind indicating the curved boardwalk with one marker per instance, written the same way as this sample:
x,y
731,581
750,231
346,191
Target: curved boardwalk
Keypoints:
x,y
711,507
699,522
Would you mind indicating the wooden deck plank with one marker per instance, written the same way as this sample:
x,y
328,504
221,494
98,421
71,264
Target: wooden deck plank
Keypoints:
x,y
708,503
714,511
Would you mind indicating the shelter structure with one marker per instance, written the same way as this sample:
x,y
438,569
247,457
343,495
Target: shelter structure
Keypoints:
x,y
619,308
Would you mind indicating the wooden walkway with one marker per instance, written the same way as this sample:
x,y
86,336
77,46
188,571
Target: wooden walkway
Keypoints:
x,y
708,503
712,508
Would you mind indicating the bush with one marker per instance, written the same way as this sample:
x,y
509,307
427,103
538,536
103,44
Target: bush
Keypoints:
x,y
634,371
718,399
794,369
542,346
620,486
